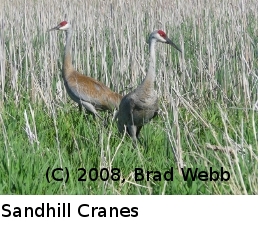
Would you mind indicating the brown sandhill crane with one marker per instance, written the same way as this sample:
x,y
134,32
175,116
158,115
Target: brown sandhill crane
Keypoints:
x,y
86,91
141,105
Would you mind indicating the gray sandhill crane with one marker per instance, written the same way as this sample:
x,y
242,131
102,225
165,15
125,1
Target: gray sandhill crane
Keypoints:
x,y
141,105
86,91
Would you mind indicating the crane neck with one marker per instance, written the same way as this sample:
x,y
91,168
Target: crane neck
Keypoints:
x,y
152,63
67,62
148,82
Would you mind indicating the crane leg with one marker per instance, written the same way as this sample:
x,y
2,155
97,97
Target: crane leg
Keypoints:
x,y
138,132
155,114
132,132
115,115
132,129
80,107
92,109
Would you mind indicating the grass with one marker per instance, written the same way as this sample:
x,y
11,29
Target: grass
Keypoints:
x,y
207,95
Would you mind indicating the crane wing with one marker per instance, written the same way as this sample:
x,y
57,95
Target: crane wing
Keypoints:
x,y
92,91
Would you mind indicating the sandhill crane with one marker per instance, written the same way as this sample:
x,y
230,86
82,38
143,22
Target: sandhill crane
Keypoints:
x,y
86,91
141,105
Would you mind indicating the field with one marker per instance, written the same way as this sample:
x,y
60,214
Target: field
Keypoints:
x,y
208,96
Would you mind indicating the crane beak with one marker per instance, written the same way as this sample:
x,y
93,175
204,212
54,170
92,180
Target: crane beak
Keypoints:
x,y
169,41
55,28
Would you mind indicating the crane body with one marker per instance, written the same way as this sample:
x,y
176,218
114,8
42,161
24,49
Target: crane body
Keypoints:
x,y
84,90
141,105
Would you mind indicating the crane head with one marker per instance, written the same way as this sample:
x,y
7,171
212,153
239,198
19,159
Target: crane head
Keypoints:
x,y
64,25
160,36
